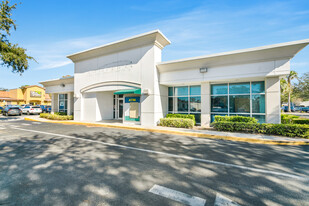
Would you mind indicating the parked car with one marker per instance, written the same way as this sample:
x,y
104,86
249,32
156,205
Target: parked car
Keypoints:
x,y
9,110
46,108
298,108
1,108
305,109
286,108
31,110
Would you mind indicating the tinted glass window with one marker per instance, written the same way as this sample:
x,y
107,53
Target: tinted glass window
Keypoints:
x,y
260,118
36,107
239,88
181,91
197,118
170,104
195,104
195,90
170,91
219,89
258,87
240,103
219,104
258,103
182,104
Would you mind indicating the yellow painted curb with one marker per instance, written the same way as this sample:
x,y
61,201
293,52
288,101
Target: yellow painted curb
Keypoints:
x,y
193,134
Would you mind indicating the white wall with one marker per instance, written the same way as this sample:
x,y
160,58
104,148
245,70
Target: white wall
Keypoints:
x,y
226,73
104,105
122,66
89,107
59,89
154,104
272,100
205,104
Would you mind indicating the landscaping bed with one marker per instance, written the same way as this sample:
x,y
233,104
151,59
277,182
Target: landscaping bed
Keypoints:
x,y
56,116
178,121
250,125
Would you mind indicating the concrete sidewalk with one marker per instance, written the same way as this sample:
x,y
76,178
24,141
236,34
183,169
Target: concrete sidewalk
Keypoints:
x,y
196,132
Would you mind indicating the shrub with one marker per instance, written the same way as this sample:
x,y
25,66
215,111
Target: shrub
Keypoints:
x,y
60,113
235,119
176,122
56,116
293,119
288,118
182,116
289,130
301,121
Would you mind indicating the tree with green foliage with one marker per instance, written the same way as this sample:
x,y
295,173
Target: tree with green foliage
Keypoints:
x,y
23,86
301,89
286,86
3,89
11,55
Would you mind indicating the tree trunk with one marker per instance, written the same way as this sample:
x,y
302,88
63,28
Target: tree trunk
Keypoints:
x,y
289,102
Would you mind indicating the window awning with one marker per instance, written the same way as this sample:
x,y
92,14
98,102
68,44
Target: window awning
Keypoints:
x,y
129,91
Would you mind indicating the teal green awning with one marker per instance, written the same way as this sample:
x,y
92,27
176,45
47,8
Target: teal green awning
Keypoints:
x,y
129,91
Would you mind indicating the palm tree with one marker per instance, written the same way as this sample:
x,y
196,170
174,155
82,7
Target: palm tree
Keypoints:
x,y
286,86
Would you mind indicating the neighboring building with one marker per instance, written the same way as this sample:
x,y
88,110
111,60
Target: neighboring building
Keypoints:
x,y
127,80
27,95
61,91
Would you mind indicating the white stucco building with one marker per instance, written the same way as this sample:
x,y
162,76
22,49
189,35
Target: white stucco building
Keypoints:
x,y
126,80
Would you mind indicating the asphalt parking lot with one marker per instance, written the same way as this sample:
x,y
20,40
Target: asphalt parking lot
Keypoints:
x,y
56,164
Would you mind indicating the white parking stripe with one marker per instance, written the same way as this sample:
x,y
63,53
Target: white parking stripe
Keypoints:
x,y
176,156
36,123
177,196
224,201
25,124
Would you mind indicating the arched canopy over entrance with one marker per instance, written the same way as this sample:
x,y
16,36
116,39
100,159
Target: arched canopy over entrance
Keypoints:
x,y
118,100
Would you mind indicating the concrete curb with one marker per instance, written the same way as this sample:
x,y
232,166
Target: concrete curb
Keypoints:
x,y
192,134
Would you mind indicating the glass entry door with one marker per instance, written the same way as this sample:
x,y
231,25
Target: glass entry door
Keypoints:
x,y
120,108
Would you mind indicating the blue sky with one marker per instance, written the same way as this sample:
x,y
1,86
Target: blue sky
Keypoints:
x,y
52,29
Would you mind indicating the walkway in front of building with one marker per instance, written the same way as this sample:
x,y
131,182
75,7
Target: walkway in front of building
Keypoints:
x,y
196,132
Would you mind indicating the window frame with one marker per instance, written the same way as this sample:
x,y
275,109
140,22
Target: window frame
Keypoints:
x,y
65,99
189,100
228,113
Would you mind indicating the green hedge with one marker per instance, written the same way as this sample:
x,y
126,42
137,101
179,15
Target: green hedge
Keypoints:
x,y
61,113
293,119
235,119
182,116
301,121
289,130
288,118
176,122
56,116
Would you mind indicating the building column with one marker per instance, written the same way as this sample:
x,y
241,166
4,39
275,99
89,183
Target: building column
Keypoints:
x,y
54,103
272,97
205,104
69,103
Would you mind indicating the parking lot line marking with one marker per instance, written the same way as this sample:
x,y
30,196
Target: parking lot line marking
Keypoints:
x,y
177,196
25,124
224,201
174,155
36,123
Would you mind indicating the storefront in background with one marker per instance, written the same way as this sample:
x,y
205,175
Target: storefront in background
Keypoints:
x,y
34,95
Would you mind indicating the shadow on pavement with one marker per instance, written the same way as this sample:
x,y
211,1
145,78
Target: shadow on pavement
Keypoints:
x,y
42,170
